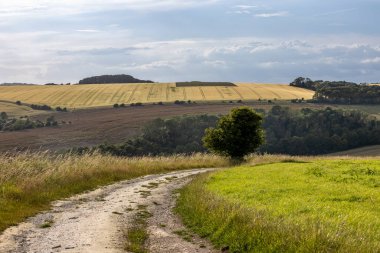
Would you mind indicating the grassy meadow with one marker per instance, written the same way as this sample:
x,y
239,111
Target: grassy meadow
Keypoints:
x,y
30,182
316,205
96,95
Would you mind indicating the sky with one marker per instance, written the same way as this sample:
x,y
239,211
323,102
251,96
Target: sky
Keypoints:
x,y
271,41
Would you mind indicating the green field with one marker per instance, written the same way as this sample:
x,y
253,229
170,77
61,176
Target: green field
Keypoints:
x,y
317,206
95,95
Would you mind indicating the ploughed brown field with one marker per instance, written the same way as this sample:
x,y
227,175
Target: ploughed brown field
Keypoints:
x,y
96,126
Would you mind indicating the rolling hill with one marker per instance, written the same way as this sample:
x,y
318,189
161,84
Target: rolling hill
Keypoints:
x,y
363,151
14,110
97,95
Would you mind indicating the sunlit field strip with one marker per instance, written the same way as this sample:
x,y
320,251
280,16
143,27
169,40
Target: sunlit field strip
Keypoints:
x,y
141,94
84,96
78,98
237,92
229,93
176,93
211,93
194,93
248,93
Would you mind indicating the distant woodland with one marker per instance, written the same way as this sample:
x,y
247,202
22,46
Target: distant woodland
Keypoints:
x,y
112,79
303,132
340,92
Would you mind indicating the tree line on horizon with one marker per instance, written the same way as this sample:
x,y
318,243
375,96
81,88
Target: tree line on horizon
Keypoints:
x,y
340,92
103,79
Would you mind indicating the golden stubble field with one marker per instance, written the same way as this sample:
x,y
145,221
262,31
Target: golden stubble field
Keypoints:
x,y
95,95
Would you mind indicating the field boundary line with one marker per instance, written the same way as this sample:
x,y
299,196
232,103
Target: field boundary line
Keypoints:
x,y
237,92
220,93
132,94
203,94
91,100
112,98
149,93
257,94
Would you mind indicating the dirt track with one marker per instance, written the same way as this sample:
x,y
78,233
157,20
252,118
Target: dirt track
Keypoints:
x,y
97,221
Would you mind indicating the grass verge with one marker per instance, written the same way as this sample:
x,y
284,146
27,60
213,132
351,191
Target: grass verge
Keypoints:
x,y
317,206
137,234
30,182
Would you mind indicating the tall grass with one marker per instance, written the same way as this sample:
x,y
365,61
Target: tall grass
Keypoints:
x,y
30,182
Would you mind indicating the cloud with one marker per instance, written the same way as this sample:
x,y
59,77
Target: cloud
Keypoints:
x,y
216,63
87,30
272,14
64,41
245,7
52,56
336,12
371,60
69,7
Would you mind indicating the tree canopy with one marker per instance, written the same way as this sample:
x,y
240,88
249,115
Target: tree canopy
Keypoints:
x,y
112,79
236,134
341,92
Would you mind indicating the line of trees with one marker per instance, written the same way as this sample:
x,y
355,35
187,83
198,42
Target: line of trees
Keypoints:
x,y
112,79
314,132
304,132
341,92
13,124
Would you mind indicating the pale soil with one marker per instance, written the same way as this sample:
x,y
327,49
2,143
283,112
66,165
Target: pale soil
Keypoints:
x,y
97,221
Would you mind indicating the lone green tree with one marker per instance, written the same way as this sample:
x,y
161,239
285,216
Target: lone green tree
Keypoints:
x,y
236,134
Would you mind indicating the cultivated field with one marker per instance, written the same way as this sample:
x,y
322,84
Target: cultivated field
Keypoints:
x,y
14,110
294,206
86,96
364,151
91,127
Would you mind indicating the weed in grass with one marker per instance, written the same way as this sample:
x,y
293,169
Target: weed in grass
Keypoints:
x,y
141,207
184,234
151,185
47,224
170,178
145,194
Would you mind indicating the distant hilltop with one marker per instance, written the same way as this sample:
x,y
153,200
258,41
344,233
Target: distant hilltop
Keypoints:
x,y
112,79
